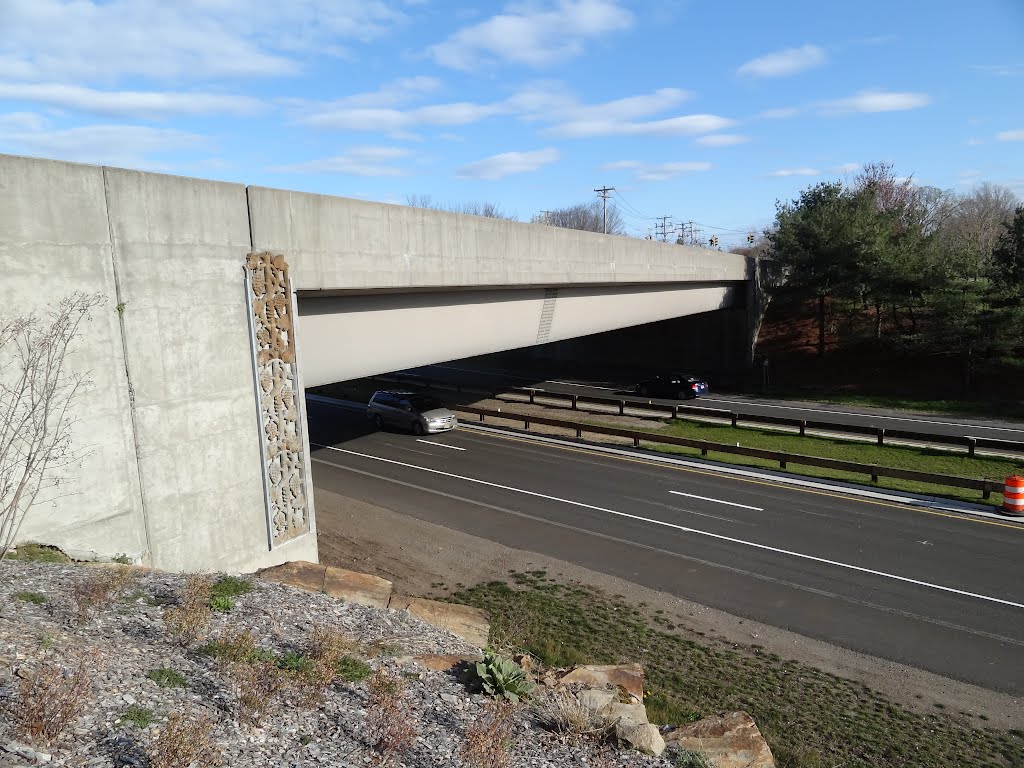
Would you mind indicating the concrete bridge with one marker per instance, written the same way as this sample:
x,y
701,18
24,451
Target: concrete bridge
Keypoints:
x,y
222,301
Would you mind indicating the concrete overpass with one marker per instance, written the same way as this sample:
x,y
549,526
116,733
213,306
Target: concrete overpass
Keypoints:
x,y
222,301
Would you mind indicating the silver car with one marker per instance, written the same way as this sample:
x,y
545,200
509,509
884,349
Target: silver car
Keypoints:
x,y
419,413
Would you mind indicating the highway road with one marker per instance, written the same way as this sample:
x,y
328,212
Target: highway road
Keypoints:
x,y
944,424
931,590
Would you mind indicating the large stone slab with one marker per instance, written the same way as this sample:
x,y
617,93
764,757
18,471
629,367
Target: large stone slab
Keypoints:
x,y
361,588
730,741
629,676
297,573
641,736
470,624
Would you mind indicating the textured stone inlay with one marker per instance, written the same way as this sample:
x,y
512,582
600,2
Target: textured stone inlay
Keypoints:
x,y
278,396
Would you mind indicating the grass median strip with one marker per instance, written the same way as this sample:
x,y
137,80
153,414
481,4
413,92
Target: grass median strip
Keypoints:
x,y
811,719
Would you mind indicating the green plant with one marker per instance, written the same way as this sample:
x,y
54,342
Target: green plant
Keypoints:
x,y
186,741
352,670
230,586
37,598
238,646
292,661
37,553
138,716
499,676
686,758
122,558
221,603
120,307
167,678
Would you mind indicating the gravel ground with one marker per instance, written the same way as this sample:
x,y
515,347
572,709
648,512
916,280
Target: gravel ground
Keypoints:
x,y
129,638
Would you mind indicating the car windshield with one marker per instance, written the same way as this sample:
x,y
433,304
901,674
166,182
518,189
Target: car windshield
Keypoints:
x,y
425,403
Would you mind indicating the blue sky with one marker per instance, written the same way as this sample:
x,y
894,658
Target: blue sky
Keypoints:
x,y
699,111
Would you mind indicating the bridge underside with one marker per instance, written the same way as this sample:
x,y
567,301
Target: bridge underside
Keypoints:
x,y
347,336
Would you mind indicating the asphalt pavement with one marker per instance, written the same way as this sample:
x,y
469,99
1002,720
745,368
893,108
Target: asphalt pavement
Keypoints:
x,y
928,589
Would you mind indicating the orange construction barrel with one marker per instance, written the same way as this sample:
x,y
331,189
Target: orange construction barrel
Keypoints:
x,y
1013,496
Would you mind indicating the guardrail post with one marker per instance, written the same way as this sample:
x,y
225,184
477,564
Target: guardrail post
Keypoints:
x,y
675,411
881,435
972,443
874,473
533,393
481,417
986,489
579,432
782,463
636,442
803,427
735,418
526,424
574,399
622,407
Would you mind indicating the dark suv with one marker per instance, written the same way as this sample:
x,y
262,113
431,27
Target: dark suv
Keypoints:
x,y
679,386
417,412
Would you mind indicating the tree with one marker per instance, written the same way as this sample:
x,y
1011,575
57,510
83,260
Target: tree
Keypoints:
x,y
476,208
37,390
588,217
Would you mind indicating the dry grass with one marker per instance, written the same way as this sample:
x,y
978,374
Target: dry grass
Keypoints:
x,y
489,739
258,688
388,723
561,712
326,650
53,695
96,589
189,618
185,742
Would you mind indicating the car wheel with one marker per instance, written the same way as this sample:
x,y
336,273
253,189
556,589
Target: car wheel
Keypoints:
x,y
417,428
379,421
643,391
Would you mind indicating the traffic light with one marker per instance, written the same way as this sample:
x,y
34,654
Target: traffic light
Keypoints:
x,y
714,241
750,239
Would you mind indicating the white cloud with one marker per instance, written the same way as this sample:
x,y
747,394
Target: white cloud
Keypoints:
x,y
1001,70
120,145
722,140
687,125
974,142
507,163
527,35
358,161
782,172
128,103
1010,136
777,114
202,39
787,62
848,168
877,101
657,171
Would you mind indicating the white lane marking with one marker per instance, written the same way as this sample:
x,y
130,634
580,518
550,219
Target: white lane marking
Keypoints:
x,y
588,386
443,445
718,501
690,511
863,415
683,528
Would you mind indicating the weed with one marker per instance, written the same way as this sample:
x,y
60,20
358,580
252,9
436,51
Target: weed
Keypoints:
x,y
231,586
189,618
167,678
258,686
562,713
96,589
238,646
498,676
36,598
489,738
686,758
53,695
292,661
138,716
388,724
186,741
221,603
351,670
37,553
122,558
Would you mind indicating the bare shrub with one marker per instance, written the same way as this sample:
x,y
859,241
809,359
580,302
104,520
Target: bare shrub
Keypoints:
x,y
489,739
37,391
187,620
326,650
96,589
560,711
186,741
389,726
258,688
53,695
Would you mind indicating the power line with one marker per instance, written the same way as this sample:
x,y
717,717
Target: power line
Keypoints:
x,y
603,192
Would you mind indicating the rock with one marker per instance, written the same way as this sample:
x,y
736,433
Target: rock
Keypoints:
x,y
443,662
297,573
641,736
468,623
629,676
730,741
361,588
595,700
628,713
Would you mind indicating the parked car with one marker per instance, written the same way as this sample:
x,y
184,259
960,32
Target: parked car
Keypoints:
x,y
422,414
677,386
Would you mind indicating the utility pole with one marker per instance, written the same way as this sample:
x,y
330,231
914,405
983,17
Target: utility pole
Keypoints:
x,y
603,192
663,227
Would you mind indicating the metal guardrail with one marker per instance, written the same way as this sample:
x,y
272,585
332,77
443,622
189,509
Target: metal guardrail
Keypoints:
x,y
676,411
987,487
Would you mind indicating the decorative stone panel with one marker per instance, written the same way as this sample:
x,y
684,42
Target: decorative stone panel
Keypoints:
x,y
277,391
